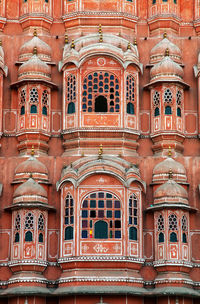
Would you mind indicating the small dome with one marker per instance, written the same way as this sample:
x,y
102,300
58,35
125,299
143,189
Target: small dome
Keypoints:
x,y
167,69
161,171
158,51
34,68
30,188
31,166
26,51
170,189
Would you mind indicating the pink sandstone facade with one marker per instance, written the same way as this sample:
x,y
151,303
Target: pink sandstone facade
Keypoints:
x,y
99,151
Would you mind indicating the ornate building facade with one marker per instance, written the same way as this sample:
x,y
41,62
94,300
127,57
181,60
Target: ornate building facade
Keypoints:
x,y
99,151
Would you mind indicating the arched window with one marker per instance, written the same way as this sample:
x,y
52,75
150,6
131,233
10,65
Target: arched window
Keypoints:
x,y
69,233
70,93
44,110
101,104
71,108
17,237
41,228
157,112
184,238
133,234
28,227
22,111
101,92
130,94
168,110
153,1
101,216
173,237
173,228
69,217
41,238
33,109
28,236
130,108
161,237
179,112
133,217
101,230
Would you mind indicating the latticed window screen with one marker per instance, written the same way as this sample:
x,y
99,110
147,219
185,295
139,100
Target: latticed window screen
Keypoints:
x,y
41,228
184,227
34,98
71,93
17,228
156,103
29,227
101,93
130,94
168,96
69,217
101,216
173,227
133,217
160,228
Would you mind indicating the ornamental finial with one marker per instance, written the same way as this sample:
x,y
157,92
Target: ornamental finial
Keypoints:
x,y
100,151
129,46
35,50
32,151
135,41
170,151
100,29
35,32
165,35
170,173
167,52
66,39
72,44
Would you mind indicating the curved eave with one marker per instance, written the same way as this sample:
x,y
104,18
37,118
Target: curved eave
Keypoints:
x,y
30,205
79,180
16,85
158,82
177,205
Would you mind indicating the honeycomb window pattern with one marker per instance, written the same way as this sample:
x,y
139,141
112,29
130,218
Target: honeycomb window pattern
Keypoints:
x,y
71,88
29,221
179,98
104,84
69,217
17,222
173,226
23,96
101,210
34,98
45,97
130,94
160,223
41,223
156,99
184,223
168,96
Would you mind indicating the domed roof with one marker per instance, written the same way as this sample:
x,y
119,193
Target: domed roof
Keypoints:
x,y
170,189
26,50
167,69
30,188
34,68
158,51
31,166
163,168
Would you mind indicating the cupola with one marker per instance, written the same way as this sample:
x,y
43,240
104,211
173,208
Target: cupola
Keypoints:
x,y
30,192
34,68
161,171
158,51
166,70
43,49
